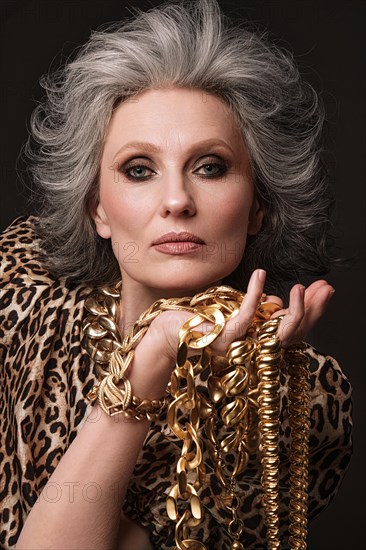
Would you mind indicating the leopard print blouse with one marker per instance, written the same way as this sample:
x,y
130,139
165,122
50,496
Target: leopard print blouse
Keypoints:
x,y
45,377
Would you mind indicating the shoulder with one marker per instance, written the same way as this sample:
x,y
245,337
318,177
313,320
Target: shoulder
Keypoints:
x,y
20,252
45,371
32,300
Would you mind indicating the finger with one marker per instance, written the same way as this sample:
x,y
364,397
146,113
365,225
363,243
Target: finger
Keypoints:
x,y
316,303
251,299
309,293
312,290
237,327
290,326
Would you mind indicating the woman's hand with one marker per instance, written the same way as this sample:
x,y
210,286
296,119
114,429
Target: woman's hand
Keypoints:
x,y
305,308
156,354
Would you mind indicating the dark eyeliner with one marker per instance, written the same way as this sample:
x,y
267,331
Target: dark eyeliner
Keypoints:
x,y
126,168
221,164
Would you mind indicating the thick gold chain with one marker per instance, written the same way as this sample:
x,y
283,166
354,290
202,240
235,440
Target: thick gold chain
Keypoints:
x,y
240,413
268,370
217,306
299,418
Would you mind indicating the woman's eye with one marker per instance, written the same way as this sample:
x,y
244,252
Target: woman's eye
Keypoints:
x,y
213,169
142,172
137,172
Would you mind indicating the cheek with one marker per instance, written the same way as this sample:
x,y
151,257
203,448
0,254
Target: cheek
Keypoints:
x,y
230,237
123,215
233,216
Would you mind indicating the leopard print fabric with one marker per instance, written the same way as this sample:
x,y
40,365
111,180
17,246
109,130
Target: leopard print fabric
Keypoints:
x,y
45,376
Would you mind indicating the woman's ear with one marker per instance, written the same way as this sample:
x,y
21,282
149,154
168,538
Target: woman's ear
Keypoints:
x,y
101,221
256,215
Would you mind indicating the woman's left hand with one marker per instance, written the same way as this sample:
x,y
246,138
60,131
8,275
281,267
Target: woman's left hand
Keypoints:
x,y
306,306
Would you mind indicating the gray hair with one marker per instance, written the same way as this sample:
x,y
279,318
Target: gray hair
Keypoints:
x,y
193,45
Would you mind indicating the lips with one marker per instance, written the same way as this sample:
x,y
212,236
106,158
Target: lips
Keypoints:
x,y
178,244
182,237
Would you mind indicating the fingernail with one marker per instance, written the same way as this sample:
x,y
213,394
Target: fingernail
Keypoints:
x,y
330,295
261,275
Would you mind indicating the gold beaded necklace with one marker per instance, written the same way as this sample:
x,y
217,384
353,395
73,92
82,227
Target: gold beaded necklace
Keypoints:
x,y
243,399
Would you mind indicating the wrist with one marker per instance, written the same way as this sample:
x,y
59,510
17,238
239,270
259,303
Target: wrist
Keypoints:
x,y
149,372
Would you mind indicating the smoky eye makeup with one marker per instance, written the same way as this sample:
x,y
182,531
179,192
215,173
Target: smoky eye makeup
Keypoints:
x,y
134,168
211,166
138,172
140,168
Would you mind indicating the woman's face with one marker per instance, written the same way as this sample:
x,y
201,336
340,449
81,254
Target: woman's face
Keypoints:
x,y
176,192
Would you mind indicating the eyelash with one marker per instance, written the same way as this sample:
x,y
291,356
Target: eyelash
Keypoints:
x,y
222,169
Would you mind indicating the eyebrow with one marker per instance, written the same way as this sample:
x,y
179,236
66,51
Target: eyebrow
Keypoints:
x,y
151,148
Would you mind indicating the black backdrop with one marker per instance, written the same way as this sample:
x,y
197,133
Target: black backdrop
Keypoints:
x,y
327,38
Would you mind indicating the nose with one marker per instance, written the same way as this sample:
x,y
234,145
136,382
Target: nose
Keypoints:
x,y
177,198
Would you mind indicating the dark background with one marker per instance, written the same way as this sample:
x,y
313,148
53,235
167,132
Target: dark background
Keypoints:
x,y
328,41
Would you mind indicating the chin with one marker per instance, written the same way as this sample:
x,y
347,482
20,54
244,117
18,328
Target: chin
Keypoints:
x,y
182,286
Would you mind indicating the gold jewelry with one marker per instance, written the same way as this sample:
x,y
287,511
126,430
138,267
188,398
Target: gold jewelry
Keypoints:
x,y
243,402
113,356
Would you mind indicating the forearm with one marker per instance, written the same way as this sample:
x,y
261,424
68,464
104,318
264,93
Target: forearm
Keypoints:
x,y
80,506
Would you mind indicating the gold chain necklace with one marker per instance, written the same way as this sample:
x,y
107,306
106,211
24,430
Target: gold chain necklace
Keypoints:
x,y
243,402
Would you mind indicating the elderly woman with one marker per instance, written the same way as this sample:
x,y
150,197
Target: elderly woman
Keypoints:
x,y
179,154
